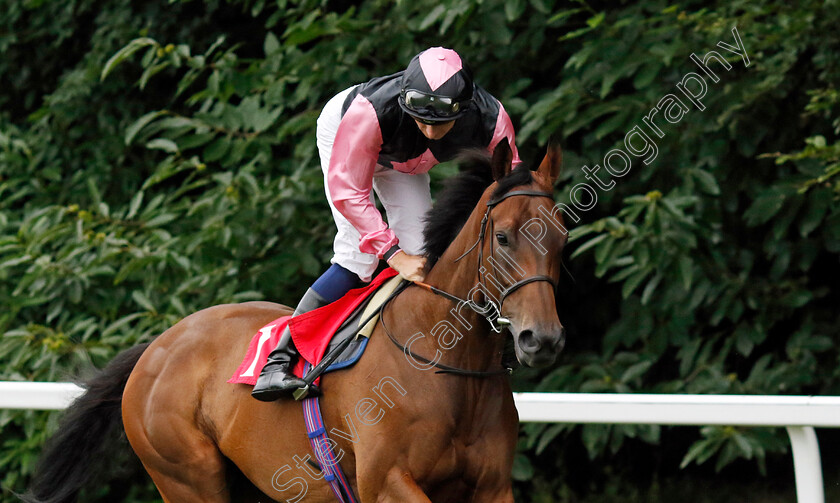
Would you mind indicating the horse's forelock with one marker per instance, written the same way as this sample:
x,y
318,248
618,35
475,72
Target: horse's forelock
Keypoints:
x,y
518,177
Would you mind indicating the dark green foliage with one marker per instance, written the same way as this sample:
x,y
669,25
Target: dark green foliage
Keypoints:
x,y
157,158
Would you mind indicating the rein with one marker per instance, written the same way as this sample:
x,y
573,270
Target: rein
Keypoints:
x,y
498,323
442,368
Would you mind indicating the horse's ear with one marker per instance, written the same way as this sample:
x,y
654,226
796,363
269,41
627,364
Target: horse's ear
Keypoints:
x,y
502,158
550,165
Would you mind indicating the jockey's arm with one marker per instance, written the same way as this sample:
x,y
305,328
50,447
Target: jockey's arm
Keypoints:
x,y
350,180
410,267
504,129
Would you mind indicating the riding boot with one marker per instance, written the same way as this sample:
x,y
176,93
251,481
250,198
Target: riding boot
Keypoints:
x,y
276,379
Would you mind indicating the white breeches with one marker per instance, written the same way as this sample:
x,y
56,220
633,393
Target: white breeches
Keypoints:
x,y
406,199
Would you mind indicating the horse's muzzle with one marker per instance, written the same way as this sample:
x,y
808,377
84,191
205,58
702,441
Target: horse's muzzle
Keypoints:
x,y
539,348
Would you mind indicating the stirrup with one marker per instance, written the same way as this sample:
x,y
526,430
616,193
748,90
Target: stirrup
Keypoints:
x,y
301,393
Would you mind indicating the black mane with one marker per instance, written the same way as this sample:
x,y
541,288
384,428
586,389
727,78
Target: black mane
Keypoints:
x,y
458,198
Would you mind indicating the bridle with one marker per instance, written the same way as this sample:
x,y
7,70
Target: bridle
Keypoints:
x,y
494,318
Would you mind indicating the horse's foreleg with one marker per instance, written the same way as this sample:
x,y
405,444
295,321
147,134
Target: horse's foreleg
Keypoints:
x,y
398,487
485,494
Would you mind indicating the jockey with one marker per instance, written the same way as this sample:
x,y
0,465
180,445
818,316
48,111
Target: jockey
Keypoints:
x,y
384,136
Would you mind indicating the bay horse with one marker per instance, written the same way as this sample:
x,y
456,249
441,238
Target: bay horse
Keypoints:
x,y
403,431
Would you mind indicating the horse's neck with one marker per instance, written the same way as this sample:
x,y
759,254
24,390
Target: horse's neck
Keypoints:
x,y
429,323
477,348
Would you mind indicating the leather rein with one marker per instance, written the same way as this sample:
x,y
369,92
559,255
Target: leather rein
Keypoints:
x,y
494,318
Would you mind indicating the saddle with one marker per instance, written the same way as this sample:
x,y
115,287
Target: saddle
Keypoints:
x,y
343,327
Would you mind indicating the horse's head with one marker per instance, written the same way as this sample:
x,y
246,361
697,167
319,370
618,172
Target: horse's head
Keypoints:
x,y
524,241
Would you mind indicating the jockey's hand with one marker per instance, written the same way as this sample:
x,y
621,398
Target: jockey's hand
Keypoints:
x,y
410,267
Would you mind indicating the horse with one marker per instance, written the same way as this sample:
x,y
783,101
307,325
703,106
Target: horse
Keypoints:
x,y
427,414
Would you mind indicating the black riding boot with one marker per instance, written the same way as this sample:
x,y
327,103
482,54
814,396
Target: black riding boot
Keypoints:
x,y
276,379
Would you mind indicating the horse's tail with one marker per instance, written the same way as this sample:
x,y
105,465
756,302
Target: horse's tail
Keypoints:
x,y
64,465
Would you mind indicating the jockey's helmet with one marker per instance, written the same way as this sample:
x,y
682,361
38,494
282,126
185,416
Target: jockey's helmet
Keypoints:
x,y
437,86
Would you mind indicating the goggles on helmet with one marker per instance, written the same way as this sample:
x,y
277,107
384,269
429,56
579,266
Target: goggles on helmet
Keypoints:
x,y
429,108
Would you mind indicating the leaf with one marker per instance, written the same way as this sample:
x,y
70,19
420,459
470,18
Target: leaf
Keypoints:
x,y
125,53
93,190
30,301
132,266
549,435
650,288
743,342
646,75
132,130
575,34
514,9
306,31
216,150
151,72
15,261
699,452
635,371
134,206
162,219
433,16
797,299
167,169
595,438
141,298
743,444
603,253
633,281
707,182
164,144
818,204
271,44
817,141
589,244
595,20
195,141
523,470
686,356
74,292
686,266
562,15
726,456
765,207
611,124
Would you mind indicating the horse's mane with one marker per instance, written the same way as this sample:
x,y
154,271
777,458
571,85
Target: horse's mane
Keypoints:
x,y
458,199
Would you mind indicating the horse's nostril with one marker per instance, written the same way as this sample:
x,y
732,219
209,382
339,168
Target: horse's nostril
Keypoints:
x,y
561,341
529,342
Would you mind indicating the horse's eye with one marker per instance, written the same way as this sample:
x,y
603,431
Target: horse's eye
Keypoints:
x,y
502,238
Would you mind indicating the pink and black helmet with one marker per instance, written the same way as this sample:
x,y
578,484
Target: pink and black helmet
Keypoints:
x,y
437,86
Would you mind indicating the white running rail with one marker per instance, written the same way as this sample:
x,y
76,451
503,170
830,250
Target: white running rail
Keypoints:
x,y
37,395
799,414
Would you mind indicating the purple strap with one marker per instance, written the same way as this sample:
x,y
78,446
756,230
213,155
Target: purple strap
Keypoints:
x,y
317,433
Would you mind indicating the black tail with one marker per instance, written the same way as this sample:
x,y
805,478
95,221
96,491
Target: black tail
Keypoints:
x,y
65,465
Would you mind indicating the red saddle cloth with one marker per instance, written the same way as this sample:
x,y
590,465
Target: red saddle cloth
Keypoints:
x,y
311,332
